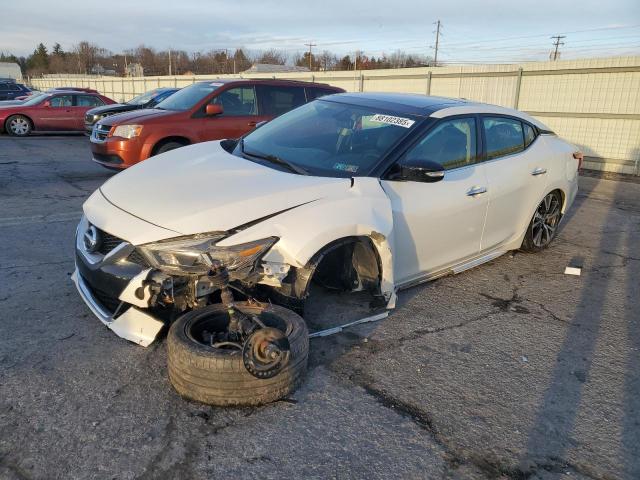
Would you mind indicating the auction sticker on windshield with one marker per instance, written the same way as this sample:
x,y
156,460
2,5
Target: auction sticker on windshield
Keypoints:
x,y
391,120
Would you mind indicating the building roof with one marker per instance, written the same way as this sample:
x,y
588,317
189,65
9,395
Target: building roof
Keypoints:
x,y
271,68
10,70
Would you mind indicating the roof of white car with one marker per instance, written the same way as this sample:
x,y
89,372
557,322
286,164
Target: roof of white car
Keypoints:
x,y
427,106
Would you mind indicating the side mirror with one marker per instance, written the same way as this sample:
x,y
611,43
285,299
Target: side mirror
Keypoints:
x,y
213,109
425,171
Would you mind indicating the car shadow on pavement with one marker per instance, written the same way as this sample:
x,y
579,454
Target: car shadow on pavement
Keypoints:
x,y
551,437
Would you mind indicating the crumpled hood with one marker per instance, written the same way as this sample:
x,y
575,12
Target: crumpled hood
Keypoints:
x,y
202,188
136,116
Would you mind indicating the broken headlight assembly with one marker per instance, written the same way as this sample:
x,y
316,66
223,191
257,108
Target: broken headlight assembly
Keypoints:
x,y
195,254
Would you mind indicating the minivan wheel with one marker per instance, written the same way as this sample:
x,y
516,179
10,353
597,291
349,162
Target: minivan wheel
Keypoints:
x,y
217,375
168,147
18,125
544,224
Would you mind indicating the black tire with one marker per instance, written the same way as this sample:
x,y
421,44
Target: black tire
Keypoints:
x,y
218,376
543,227
168,147
18,126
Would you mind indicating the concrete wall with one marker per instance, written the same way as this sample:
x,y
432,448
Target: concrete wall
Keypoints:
x,y
594,103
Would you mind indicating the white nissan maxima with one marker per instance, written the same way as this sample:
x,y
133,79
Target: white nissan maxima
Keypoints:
x,y
365,191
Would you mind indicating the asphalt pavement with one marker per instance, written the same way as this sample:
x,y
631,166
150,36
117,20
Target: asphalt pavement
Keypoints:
x,y
509,370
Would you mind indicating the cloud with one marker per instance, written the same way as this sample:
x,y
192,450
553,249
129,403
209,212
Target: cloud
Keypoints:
x,y
338,25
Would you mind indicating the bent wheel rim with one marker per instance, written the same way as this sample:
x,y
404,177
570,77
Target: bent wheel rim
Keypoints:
x,y
545,220
19,126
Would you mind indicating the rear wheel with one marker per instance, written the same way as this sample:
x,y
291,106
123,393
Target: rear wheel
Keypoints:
x,y
18,125
544,224
168,147
217,375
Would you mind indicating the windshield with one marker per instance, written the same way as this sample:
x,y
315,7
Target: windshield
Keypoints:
x,y
187,97
142,99
35,99
329,139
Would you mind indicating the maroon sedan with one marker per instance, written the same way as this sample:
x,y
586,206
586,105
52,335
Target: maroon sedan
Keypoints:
x,y
55,111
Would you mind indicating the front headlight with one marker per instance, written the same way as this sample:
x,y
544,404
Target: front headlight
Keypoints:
x,y
195,254
126,131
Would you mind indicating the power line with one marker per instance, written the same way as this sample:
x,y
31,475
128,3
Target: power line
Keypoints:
x,y
494,40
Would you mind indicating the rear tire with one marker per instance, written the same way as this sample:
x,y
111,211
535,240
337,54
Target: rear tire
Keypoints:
x,y
217,376
544,225
167,147
18,126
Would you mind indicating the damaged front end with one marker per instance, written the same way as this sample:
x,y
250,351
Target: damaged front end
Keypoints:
x,y
135,291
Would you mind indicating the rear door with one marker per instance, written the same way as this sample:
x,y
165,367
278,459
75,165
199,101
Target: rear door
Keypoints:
x,y
517,171
276,100
83,103
58,115
239,116
4,91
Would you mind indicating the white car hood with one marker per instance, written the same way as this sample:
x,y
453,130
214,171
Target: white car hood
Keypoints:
x,y
202,188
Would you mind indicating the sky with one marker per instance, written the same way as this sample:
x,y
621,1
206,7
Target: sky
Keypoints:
x,y
472,31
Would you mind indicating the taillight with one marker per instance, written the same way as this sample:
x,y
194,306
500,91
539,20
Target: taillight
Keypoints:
x,y
580,157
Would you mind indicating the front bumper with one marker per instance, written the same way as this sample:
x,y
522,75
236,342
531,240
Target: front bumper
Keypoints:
x,y
134,324
107,282
117,153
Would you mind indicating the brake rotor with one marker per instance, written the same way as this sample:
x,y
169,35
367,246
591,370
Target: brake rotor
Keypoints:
x,y
266,352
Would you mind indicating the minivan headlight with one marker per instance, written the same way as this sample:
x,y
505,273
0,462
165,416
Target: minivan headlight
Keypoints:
x,y
195,254
126,131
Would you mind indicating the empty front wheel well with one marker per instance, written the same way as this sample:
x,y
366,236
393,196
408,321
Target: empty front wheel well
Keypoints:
x,y
181,140
347,264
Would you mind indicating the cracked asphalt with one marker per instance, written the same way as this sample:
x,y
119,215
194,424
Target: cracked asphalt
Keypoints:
x,y
510,370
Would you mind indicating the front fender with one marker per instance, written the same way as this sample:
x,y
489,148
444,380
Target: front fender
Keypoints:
x,y
363,210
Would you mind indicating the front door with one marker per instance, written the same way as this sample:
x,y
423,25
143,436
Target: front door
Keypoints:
x,y
438,225
239,116
58,115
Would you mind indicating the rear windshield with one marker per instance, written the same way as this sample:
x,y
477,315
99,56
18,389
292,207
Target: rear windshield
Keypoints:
x,y
188,97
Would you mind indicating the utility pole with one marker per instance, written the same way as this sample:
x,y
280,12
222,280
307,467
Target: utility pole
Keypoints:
x,y
169,62
310,45
435,56
557,44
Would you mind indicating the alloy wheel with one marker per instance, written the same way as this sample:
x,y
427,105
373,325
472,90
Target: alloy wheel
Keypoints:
x,y
19,126
546,220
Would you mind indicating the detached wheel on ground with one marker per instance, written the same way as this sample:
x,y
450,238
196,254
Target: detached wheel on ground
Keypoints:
x,y
544,224
217,375
18,126
168,147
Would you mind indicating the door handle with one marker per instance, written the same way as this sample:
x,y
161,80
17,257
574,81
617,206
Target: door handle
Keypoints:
x,y
473,191
539,171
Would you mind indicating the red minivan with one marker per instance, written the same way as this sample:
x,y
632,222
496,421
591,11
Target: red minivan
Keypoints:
x,y
211,110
